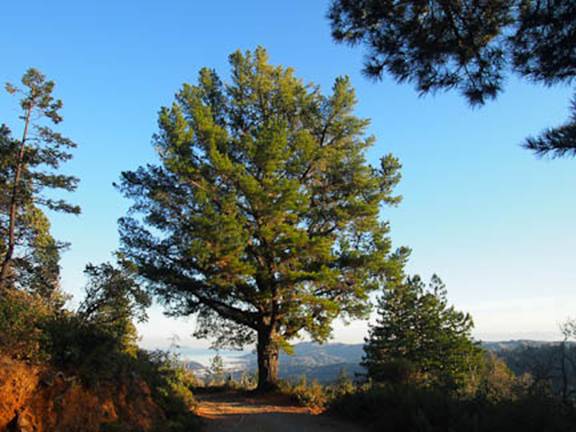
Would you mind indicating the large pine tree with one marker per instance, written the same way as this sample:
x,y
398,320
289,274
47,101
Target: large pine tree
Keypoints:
x,y
263,215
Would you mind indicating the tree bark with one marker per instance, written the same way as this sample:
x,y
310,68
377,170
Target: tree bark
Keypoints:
x,y
267,350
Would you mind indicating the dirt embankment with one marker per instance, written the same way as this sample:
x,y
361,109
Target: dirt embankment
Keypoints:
x,y
35,399
238,412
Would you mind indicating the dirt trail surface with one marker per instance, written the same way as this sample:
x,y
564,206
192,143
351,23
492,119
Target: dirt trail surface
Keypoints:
x,y
237,412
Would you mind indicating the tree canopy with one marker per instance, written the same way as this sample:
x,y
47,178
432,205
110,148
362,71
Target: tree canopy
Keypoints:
x,y
263,216
467,45
28,167
113,301
419,337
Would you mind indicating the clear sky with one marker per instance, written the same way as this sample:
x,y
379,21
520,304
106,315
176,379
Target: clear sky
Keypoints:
x,y
497,224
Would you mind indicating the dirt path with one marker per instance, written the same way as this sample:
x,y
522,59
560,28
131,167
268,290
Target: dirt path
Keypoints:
x,y
236,412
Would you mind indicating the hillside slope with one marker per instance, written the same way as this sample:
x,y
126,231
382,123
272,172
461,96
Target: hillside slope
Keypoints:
x,y
40,399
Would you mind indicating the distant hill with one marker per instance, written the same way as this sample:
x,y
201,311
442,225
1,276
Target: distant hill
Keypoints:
x,y
514,344
193,365
313,355
315,361
325,362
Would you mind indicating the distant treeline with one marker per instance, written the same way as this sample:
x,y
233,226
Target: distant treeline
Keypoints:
x,y
552,365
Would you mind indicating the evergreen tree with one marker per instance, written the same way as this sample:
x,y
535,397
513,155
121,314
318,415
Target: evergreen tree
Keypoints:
x,y
263,216
29,255
419,338
468,45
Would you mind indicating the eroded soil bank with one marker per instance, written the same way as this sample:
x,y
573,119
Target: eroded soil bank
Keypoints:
x,y
38,399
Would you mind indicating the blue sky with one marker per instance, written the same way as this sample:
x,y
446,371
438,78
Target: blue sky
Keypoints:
x,y
493,221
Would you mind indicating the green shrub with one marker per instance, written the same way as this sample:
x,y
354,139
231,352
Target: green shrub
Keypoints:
x,y
83,349
171,384
312,395
408,408
246,381
21,317
343,385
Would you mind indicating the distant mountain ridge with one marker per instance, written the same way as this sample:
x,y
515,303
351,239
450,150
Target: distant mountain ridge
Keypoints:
x,y
515,344
315,361
325,362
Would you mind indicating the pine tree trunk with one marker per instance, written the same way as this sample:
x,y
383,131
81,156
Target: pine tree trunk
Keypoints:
x,y
267,350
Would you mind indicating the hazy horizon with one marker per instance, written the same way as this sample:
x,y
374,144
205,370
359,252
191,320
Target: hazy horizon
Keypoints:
x,y
159,331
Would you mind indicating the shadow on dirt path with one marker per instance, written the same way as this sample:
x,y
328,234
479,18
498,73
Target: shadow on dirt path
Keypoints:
x,y
240,412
